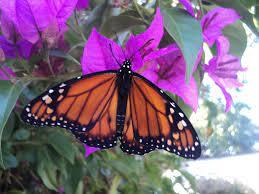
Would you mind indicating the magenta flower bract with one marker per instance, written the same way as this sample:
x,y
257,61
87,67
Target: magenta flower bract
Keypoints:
x,y
82,4
164,67
61,9
98,55
8,27
12,43
223,69
214,21
89,150
188,5
32,17
7,73
167,70
2,55
21,48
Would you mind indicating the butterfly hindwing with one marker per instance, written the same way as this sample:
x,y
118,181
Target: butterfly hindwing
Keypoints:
x,y
85,105
155,121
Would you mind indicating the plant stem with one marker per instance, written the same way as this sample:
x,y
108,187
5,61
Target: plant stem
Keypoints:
x,y
5,72
201,8
139,12
78,26
27,143
115,184
46,53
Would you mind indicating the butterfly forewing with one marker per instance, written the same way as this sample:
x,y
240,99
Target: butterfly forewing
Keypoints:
x,y
85,105
153,120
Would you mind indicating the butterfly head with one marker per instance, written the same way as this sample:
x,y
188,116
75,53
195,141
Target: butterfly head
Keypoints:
x,y
126,66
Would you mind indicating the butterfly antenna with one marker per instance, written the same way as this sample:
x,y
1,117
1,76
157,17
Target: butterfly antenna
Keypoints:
x,y
113,55
142,47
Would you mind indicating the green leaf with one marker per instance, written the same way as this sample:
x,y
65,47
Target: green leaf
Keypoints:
x,y
80,188
47,173
16,192
246,16
237,36
187,33
75,175
22,134
119,23
115,184
9,160
47,168
61,54
28,154
8,97
62,144
9,127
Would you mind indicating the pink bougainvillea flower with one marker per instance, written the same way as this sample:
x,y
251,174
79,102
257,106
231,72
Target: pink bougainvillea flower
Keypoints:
x,y
21,48
53,34
188,5
89,150
223,69
82,4
32,17
98,55
7,8
6,73
8,27
167,70
61,9
12,43
2,55
214,21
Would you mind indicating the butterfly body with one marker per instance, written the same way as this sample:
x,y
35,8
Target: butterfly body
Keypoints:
x,y
124,82
104,107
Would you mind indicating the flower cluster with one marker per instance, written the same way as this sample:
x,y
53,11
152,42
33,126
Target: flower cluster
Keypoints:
x,y
26,25
29,26
166,66
224,67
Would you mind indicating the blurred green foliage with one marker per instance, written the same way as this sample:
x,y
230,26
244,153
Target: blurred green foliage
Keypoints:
x,y
229,133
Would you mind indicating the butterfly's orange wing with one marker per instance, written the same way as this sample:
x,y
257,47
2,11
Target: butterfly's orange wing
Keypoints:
x,y
85,105
154,121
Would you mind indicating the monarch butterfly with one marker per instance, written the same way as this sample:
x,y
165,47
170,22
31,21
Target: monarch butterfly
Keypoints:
x,y
105,107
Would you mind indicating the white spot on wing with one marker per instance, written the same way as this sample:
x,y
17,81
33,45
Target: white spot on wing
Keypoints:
x,y
173,105
45,97
184,123
62,85
181,114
